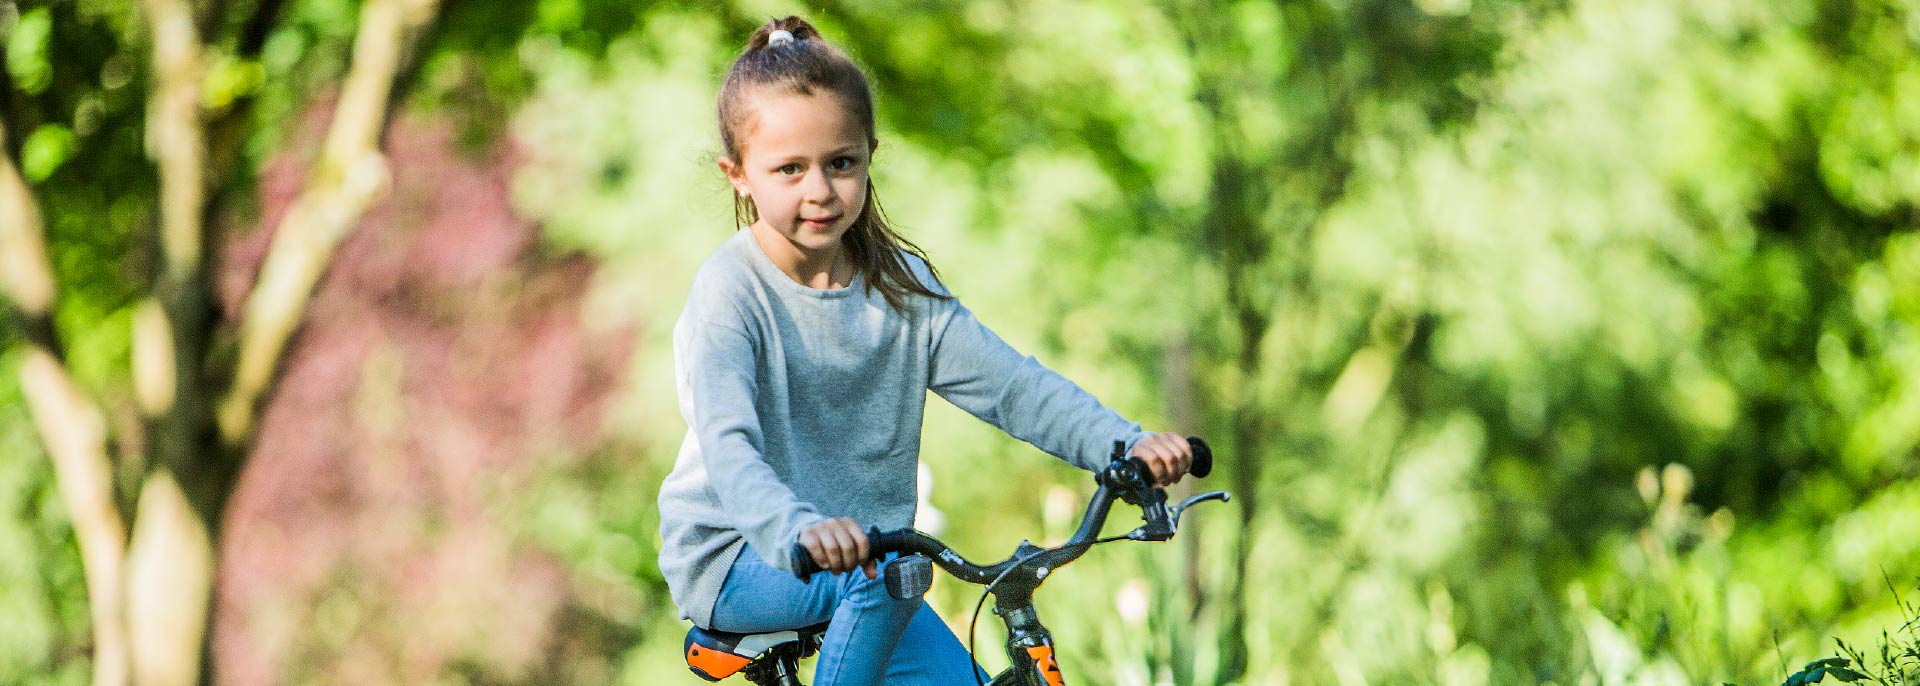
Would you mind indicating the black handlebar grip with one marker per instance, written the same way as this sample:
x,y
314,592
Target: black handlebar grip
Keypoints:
x,y
878,543
1202,457
802,562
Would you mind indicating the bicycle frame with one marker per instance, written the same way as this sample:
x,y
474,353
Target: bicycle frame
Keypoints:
x,y
1030,655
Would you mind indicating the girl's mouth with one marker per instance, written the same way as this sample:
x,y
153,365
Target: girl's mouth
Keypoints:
x,y
821,223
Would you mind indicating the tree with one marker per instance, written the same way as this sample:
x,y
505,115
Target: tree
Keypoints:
x,y
149,556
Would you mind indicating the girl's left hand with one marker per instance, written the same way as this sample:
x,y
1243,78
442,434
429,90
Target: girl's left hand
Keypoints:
x,y
1168,456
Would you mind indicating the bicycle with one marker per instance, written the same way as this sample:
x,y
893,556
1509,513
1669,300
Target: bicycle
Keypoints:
x,y
772,659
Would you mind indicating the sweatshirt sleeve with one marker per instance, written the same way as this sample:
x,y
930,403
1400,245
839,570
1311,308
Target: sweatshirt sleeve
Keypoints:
x,y
720,380
975,370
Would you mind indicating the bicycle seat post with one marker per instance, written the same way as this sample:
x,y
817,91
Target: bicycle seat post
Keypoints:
x,y
782,670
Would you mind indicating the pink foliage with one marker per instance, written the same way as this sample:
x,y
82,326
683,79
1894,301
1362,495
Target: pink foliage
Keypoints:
x,y
442,356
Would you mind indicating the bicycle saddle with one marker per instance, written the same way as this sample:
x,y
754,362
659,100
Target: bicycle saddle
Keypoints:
x,y
716,655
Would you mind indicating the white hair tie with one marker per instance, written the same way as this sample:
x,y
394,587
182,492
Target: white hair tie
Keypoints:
x,y
779,37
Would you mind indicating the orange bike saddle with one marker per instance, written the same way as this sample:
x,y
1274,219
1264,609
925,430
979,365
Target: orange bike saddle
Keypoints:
x,y
716,655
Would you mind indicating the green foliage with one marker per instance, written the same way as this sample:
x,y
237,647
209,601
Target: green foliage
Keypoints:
x,y
1896,663
1819,670
1561,249
27,50
1571,342
46,148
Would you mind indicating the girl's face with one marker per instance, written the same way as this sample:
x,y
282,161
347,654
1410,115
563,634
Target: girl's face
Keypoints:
x,y
803,161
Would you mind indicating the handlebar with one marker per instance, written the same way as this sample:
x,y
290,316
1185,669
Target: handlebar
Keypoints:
x,y
1125,478
1202,458
905,541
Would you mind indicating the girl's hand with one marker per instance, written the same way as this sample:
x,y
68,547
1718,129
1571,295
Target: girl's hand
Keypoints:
x,y
838,545
1168,456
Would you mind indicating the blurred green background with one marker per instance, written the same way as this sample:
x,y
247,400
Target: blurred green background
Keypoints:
x,y
1567,342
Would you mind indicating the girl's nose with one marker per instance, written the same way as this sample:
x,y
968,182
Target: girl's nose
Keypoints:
x,y
819,189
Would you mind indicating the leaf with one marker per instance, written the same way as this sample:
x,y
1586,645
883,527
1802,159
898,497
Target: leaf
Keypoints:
x,y
1845,675
1809,676
45,150
229,78
26,51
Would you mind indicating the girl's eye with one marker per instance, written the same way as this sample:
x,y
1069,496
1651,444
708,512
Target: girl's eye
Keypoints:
x,y
842,163
790,169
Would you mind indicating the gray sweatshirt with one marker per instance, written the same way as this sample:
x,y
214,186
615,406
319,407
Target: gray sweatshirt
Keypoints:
x,y
804,404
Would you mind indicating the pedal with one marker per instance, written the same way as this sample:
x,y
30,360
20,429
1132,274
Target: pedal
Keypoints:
x,y
909,576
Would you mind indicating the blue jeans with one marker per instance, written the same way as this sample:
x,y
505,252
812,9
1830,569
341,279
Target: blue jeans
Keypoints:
x,y
874,638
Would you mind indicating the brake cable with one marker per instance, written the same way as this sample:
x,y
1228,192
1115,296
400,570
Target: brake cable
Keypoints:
x,y
974,623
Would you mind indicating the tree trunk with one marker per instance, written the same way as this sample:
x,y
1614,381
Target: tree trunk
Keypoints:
x,y
70,425
169,585
343,182
74,433
150,594
1178,361
170,556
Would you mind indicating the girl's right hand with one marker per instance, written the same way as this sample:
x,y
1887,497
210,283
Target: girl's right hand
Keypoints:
x,y
838,545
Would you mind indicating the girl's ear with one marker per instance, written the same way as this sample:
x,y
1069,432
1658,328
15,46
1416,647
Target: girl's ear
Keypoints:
x,y
735,176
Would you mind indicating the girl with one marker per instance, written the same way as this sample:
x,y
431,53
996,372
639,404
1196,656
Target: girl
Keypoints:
x,y
803,359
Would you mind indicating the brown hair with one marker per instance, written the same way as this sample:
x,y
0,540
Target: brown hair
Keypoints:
x,y
802,66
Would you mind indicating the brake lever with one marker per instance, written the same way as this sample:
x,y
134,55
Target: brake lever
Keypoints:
x,y
1153,510
1221,496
